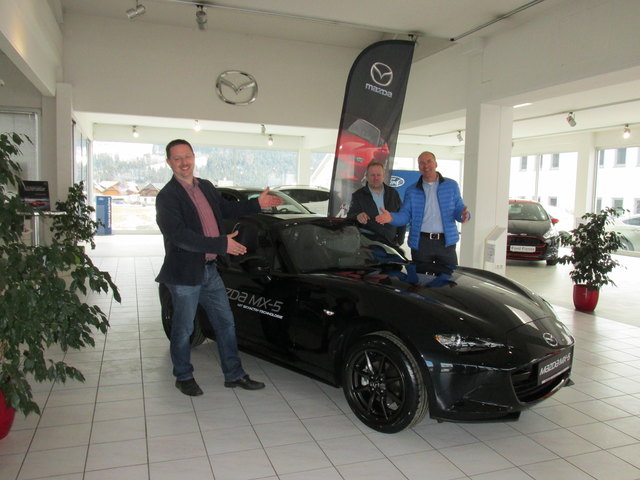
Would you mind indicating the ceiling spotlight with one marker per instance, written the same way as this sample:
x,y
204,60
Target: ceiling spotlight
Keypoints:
x,y
135,132
270,140
626,133
136,11
571,119
459,136
201,17
196,126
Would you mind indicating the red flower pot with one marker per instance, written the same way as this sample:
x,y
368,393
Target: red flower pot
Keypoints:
x,y
6,417
585,299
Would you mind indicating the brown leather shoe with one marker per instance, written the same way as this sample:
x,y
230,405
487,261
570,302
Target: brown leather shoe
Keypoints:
x,y
189,387
246,383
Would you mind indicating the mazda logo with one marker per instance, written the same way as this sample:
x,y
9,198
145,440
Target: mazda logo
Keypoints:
x,y
550,339
381,74
236,88
396,181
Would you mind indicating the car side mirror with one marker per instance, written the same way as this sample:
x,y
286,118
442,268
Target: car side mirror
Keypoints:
x,y
256,265
554,221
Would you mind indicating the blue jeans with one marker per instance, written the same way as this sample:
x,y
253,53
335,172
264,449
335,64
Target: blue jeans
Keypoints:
x,y
212,295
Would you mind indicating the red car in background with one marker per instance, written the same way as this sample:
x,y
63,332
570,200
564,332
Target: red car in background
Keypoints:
x,y
532,234
359,145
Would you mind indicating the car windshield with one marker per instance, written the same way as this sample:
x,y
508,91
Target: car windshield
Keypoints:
x,y
289,205
527,211
325,246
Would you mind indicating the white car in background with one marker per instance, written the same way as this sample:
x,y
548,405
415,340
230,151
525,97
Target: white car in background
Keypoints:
x,y
629,228
315,199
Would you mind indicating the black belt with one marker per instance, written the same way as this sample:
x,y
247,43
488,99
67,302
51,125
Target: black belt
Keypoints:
x,y
211,262
432,236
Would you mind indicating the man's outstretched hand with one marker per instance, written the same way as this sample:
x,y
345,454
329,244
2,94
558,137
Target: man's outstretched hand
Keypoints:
x,y
384,217
266,200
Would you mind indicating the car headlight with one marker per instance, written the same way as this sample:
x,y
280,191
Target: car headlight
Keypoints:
x,y
458,343
552,232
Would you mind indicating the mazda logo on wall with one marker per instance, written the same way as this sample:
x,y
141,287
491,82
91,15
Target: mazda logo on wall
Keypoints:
x,y
381,74
550,339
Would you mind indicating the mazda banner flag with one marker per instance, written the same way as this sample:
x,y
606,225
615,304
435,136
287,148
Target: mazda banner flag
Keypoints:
x,y
370,119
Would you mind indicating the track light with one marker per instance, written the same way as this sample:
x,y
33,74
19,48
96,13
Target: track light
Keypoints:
x,y
196,126
263,129
136,11
626,133
571,119
135,132
270,140
201,17
459,136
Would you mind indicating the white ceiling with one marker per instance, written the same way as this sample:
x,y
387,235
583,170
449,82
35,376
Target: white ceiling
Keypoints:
x,y
347,23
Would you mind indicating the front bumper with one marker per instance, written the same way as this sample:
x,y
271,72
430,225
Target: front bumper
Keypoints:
x,y
472,392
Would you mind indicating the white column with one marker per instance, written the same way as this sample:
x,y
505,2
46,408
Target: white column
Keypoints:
x,y
64,139
486,186
585,177
304,164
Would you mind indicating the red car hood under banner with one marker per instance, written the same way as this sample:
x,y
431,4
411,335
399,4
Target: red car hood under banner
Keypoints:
x,y
371,112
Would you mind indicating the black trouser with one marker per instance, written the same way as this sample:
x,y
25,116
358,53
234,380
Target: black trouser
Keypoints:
x,y
432,250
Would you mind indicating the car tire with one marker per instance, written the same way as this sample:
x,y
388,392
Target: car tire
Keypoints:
x,y
166,311
383,384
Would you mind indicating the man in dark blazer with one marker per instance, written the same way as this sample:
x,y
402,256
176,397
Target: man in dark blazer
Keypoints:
x,y
367,201
189,212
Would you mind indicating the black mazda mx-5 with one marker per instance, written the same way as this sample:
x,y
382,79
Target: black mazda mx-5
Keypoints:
x,y
322,297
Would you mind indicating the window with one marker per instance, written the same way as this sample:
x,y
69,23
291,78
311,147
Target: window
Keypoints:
x,y
132,174
601,158
523,163
598,204
615,182
551,182
636,205
24,123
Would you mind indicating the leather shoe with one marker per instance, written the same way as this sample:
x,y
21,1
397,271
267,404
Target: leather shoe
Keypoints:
x,y
246,383
189,387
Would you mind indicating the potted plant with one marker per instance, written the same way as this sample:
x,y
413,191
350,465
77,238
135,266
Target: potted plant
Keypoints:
x,y
42,288
591,247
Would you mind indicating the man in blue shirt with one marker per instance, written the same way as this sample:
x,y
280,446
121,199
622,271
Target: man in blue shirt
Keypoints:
x,y
431,207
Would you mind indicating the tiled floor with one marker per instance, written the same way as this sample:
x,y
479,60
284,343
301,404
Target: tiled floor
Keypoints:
x,y
128,421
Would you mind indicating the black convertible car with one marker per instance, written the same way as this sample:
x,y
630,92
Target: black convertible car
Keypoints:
x,y
319,296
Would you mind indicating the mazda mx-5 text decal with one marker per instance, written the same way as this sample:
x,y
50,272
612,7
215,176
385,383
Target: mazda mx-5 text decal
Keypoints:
x,y
255,303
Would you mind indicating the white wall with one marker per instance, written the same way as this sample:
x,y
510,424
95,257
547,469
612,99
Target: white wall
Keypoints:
x,y
118,66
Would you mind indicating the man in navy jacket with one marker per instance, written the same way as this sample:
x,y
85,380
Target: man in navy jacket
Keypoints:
x,y
367,201
432,207
189,212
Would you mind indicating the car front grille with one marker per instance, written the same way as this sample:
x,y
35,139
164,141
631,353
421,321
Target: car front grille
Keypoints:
x,y
525,241
525,384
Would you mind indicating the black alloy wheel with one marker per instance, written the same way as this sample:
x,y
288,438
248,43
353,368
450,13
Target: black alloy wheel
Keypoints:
x,y
166,309
383,383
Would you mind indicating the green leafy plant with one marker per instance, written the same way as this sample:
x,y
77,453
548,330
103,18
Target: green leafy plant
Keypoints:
x,y
591,248
43,287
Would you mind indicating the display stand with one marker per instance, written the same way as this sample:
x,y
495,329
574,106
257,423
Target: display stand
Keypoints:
x,y
35,224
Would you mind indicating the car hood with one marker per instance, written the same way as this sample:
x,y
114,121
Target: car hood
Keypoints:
x,y
474,300
536,228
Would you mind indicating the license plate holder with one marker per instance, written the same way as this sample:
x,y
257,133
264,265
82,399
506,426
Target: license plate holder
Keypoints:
x,y
523,249
554,366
